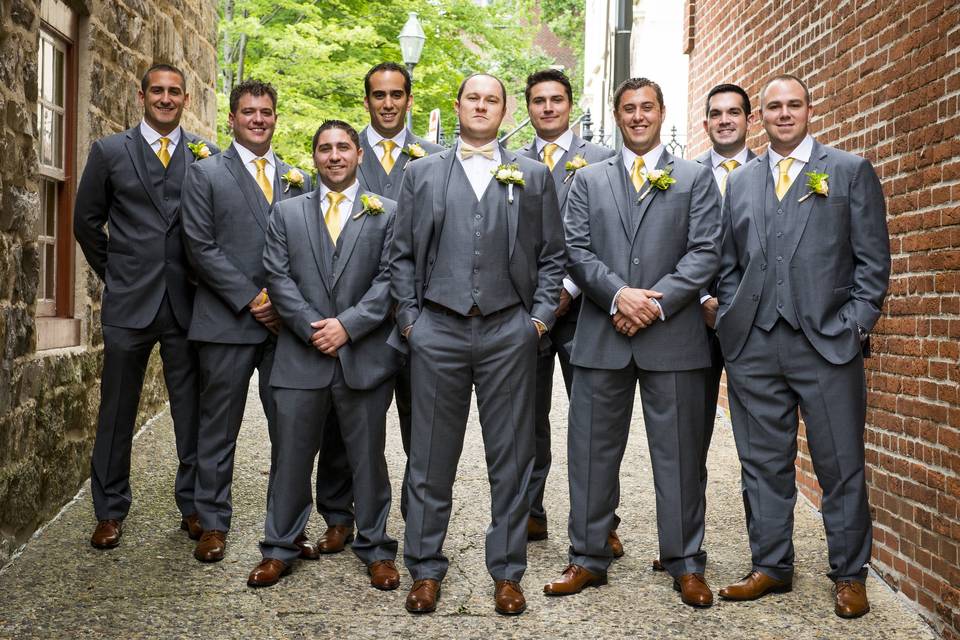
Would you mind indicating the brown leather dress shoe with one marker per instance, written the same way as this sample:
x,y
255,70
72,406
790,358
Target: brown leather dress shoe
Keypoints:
x,y
191,524
335,538
308,549
384,575
423,596
211,547
574,579
508,598
615,545
107,534
267,573
753,586
656,565
851,598
536,530
694,590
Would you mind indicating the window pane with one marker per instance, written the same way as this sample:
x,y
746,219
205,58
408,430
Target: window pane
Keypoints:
x,y
47,70
58,66
50,264
40,63
58,140
46,136
50,212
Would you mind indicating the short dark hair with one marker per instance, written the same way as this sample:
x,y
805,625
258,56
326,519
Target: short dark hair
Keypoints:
x,y
336,124
633,84
254,88
548,75
387,66
729,88
786,76
162,66
476,75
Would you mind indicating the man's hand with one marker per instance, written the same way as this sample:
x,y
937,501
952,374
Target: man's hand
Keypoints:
x,y
709,311
541,328
406,331
638,307
564,305
329,336
264,313
623,324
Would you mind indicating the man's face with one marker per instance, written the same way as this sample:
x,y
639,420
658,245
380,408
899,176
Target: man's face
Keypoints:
x,y
388,102
254,122
480,109
639,118
786,114
549,109
336,158
164,100
726,123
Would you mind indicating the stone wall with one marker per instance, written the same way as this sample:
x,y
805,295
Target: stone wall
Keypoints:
x,y
49,399
885,79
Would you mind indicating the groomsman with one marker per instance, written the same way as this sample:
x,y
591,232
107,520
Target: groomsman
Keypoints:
x,y
804,271
226,202
327,269
643,232
131,184
476,270
549,100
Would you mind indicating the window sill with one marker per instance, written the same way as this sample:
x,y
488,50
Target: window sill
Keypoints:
x,y
55,333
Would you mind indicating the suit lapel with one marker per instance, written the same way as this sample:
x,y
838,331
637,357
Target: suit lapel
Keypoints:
x,y
440,190
618,185
513,208
817,164
134,144
348,237
312,216
256,203
758,186
560,171
665,162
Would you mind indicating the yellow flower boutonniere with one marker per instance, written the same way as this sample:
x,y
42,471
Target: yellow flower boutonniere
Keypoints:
x,y
415,151
372,206
292,178
817,185
509,174
200,150
658,179
572,166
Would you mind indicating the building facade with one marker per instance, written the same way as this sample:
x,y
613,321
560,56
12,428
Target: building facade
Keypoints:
x,y
69,73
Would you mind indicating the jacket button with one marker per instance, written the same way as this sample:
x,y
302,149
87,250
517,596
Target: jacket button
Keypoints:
x,y
763,267
756,297
636,261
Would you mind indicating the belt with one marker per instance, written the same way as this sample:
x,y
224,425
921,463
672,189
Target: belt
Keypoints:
x,y
474,311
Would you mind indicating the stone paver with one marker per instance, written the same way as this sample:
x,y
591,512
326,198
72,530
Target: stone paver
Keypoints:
x,y
151,587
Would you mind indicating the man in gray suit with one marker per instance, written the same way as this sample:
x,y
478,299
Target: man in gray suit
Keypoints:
x,y
131,183
804,270
643,232
327,269
549,100
226,201
476,271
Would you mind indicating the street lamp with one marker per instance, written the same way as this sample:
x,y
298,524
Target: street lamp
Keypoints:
x,y
411,46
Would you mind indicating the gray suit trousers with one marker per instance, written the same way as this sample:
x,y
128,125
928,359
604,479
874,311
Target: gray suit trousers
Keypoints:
x,y
774,374
225,371
334,478
450,355
301,418
125,356
600,414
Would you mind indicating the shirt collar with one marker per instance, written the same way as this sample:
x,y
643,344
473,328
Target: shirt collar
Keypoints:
x,y
650,158
151,135
800,154
565,141
247,156
374,137
716,159
349,194
496,150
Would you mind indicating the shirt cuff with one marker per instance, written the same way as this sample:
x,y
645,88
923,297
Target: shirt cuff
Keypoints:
x,y
571,288
613,305
657,302
705,297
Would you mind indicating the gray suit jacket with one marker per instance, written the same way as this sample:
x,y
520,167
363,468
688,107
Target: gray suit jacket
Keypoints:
x,y
592,153
225,219
143,256
670,243
838,259
534,230
307,284
371,174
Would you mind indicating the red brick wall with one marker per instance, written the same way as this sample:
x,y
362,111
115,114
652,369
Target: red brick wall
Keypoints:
x,y
886,85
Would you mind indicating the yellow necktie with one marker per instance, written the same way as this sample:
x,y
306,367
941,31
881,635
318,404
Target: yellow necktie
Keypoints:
x,y
468,151
637,176
163,153
783,182
548,152
332,217
265,185
387,160
729,165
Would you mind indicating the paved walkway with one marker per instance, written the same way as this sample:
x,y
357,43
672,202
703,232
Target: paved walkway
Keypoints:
x,y
151,587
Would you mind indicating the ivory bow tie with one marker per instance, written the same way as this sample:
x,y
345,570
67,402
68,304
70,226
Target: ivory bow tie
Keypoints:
x,y
468,151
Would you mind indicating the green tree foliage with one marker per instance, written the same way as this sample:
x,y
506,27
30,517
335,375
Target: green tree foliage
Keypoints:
x,y
316,52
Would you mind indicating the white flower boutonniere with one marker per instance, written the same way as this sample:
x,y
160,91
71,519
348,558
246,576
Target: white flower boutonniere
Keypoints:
x,y
292,178
509,174
658,179
372,206
817,184
572,166
415,151
200,150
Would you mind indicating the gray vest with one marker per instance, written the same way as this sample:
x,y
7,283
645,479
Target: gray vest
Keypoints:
x,y
473,265
776,300
166,182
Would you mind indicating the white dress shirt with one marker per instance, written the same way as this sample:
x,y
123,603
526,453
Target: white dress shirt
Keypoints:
x,y
565,141
716,161
374,138
247,157
153,138
479,170
800,155
346,205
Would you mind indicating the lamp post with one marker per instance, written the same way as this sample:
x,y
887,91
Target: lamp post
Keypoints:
x,y
411,46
